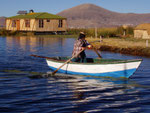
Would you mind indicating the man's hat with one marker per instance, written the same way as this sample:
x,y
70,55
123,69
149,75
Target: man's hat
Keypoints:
x,y
82,35
82,32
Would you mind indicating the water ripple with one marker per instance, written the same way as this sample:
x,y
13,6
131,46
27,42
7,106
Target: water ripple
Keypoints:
x,y
21,94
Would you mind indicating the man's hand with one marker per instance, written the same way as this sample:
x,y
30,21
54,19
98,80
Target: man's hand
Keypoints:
x,y
89,46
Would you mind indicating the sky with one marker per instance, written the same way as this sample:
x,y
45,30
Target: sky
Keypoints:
x,y
11,7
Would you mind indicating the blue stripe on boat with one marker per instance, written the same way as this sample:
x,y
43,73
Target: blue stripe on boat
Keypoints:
x,y
124,73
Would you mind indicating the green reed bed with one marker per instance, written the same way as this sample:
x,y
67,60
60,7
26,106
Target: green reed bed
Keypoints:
x,y
104,32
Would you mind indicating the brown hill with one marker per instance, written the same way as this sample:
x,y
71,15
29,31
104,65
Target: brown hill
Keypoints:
x,y
89,15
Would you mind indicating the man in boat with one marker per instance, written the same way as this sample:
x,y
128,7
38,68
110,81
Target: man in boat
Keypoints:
x,y
79,45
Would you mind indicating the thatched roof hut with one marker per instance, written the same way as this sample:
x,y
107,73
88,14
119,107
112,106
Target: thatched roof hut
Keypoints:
x,y
38,22
142,31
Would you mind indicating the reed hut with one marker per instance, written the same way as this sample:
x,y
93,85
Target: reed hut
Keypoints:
x,y
36,22
142,31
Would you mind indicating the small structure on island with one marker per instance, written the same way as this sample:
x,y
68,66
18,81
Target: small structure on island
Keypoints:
x,y
22,12
124,29
142,31
36,22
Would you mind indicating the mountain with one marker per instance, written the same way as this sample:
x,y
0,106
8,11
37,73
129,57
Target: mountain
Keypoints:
x,y
2,21
89,15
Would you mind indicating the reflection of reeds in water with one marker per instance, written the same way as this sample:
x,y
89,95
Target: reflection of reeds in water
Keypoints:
x,y
31,42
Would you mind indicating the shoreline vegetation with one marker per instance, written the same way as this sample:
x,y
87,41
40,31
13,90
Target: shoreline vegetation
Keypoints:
x,y
118,40
128,46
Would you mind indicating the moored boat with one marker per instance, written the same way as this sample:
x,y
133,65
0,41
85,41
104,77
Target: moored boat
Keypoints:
x,y
96,67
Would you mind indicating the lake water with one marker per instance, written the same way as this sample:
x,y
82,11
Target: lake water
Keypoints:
x,y
19,93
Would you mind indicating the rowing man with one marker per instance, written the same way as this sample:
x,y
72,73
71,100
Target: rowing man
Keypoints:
x,y
79,45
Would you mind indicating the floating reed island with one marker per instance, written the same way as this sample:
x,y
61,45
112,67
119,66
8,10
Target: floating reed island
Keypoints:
x,y
131,46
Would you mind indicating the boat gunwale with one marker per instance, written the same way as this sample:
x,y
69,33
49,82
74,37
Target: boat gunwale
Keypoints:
x,y
89,63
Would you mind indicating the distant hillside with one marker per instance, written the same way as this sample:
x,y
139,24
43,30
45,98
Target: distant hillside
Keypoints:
x,y
2,22
89,15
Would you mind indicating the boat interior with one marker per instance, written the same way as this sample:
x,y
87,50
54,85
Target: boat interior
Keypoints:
x,y
90,60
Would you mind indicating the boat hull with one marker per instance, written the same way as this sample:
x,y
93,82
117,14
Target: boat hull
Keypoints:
x,y
110,69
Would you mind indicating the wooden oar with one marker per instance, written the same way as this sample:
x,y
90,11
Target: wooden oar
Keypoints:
x,y
96,49
41,56
53,73
97,52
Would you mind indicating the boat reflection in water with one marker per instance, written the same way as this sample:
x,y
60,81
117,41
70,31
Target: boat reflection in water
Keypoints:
x,y
88,94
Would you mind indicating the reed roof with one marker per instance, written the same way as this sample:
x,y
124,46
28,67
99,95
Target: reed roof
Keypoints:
x,y
43,15
145,26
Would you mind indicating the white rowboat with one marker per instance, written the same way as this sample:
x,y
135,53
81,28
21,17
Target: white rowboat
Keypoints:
x,y
96,67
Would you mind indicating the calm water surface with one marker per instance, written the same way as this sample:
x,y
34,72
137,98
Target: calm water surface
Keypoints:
x,y
21,94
